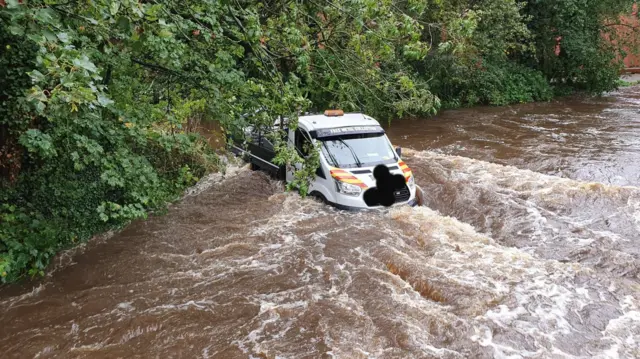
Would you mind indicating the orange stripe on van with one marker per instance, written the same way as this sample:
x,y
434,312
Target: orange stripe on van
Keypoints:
x,y
406,171
347,177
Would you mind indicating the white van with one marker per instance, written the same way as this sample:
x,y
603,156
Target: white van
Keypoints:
x,y
352,145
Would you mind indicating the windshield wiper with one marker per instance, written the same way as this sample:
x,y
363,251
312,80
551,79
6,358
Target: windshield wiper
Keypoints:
x,y
352,153
333,159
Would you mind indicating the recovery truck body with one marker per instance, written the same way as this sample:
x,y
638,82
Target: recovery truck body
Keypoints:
x,y
352,145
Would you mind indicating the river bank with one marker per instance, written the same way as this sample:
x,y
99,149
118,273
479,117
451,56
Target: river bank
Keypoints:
x,y
631,79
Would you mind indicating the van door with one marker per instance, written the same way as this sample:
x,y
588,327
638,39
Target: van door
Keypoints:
x,y
301,141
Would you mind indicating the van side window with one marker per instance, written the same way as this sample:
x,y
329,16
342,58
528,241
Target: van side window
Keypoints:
x,y
303,144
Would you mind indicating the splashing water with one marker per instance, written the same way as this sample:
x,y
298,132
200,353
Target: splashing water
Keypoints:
x,y
275,275
562,219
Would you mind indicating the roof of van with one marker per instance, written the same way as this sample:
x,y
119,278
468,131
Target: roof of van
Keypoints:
x,y
314,122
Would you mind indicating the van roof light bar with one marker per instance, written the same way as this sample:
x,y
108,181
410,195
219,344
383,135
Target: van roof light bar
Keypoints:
x,y
333,113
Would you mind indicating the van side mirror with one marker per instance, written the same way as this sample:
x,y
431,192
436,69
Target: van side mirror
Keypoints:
x,y
399,151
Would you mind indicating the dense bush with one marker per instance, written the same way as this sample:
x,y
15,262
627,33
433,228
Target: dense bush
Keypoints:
x,y
587,60
81,152
491,84
504,51
65,202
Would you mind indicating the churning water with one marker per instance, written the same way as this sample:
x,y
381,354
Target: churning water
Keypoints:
x,y
528,248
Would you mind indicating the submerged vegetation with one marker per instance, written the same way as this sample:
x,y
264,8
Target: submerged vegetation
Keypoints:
x,y
101,99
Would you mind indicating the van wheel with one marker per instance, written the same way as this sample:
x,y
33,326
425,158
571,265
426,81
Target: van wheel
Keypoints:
x,y
253,166
318,197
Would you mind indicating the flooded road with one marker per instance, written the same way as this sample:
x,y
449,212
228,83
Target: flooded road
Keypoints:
x,y
529,248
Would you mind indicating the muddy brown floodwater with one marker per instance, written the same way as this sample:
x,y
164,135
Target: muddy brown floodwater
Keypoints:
x,y
529,247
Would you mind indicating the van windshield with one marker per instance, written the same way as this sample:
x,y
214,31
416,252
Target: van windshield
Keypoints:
x,y
358,150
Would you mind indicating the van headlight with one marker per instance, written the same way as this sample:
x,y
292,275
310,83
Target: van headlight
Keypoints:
x,y
348,188
411,182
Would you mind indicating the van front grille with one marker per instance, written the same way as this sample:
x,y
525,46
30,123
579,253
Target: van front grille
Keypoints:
x,y
402,195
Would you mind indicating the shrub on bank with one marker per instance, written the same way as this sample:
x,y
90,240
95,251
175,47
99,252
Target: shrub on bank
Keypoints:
x,y
60,205
489,84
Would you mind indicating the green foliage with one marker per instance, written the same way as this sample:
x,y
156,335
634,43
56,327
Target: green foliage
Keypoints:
x,y
623,83
476,47
503,84
503,51
92,157
587,61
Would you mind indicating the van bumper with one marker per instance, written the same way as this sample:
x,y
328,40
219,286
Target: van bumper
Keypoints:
x,y
412,203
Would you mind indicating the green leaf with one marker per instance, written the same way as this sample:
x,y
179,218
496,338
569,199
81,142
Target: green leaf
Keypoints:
x,y
64,37
104,101
85,63
37,142
152,11
115,6
16,30
12,4
165,33
50,36
36,94
135,7
36,76
45,15
40,107
124,24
